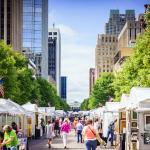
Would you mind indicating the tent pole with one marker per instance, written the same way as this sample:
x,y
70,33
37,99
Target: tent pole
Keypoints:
x,y
6,119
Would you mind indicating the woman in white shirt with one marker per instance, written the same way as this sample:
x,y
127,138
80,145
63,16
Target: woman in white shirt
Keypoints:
x,y
49,132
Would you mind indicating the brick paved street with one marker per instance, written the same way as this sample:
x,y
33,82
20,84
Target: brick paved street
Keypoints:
x,y
57,144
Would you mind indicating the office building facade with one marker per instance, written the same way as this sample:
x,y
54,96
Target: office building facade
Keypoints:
x,y
24,25
104,53
126,41
11,22
63,88
117,21
54,56
91,79
35,33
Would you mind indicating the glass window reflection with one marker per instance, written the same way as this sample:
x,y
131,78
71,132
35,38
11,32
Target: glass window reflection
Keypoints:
x,y
32,25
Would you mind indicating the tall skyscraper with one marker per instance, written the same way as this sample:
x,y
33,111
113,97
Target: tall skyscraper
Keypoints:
x,y
63,88
91,79
117,21
54,56
35,33
11,22
24,25
105,51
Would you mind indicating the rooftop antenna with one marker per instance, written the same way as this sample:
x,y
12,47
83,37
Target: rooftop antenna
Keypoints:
x,y
53,25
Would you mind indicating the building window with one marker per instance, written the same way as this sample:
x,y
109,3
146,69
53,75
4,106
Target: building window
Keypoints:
x,y
55,33
102,39
50,33
109,39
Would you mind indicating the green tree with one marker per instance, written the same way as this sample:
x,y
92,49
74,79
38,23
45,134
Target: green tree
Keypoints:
x,y
136,69
102,90
85,104
8,70
48,93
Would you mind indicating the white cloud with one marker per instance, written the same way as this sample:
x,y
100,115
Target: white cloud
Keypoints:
x,y
77,58
66,30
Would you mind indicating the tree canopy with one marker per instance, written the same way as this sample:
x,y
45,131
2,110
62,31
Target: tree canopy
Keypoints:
x,y
136,69
19,83
102,92
85,104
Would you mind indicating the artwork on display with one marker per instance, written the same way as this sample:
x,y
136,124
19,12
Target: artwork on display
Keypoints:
x,y
134,115
122,125
147,122
122,115
146,138
134,124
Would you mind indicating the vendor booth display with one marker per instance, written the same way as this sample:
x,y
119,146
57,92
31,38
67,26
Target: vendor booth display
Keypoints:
x,y
135,111
12,112
111,114
32,119
140,98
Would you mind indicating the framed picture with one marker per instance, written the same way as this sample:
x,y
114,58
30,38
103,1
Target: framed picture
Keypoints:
x,y
133,124
146,138
122,125
147,122
134,115
122,115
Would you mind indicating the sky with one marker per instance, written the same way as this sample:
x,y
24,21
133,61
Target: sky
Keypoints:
x,y
80,21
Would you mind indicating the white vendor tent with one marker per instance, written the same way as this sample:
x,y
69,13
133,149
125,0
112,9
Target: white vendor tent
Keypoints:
x,y
32,110
30,107
137,95
12,107
111,112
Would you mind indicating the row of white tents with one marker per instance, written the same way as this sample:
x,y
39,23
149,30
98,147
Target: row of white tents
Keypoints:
x,y
28,116
137,129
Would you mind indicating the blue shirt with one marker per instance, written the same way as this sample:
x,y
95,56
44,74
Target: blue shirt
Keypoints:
x,y
79,126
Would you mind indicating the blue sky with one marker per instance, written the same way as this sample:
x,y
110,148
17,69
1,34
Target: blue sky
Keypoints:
x,y
80,21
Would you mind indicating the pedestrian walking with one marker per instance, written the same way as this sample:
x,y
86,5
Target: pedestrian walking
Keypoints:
x,y
79,131
56,126
10,138
90,136
110,134
75,125
43,125
65,129
14,127
96,125
49,133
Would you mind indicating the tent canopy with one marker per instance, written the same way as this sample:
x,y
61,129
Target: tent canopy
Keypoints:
x,y
112,106
30,107
139,94
11,107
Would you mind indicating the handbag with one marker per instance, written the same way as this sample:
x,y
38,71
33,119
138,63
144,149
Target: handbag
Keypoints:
x,y
97,141
53,134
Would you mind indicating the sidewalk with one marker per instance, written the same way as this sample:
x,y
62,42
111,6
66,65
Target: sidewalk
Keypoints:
x,y
57,144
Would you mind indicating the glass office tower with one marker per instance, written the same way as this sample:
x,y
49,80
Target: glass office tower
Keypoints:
x,y
35,33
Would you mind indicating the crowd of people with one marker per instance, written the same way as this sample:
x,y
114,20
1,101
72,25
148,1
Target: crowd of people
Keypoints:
x,y
86,131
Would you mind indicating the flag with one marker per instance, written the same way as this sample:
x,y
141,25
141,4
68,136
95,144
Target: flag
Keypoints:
x,y
1,91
